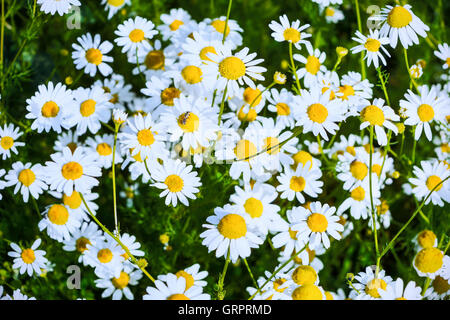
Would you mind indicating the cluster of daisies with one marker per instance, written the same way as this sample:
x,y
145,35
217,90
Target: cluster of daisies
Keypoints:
x,y
203,102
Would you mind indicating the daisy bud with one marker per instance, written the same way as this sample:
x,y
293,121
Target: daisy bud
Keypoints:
x,y
284,64
279,78
400,127
119,116
142,263
396,175
350,277
341,51
68,80
164,238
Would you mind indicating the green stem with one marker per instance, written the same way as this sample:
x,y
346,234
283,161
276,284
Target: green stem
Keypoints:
x,y
407,67
383,85
222,276
372,209
222,104
114,178
251,274
226,21
294,70
413,157
358,16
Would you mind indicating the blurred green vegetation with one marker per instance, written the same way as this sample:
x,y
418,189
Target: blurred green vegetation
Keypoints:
x,y
46,56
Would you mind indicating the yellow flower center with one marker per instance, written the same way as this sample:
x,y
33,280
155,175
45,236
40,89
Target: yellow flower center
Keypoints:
x,y
137,35
104,149
58,214
232,68
292,234
104,255
73,201
432,182
312,65
175,25
358,194
358,169
94,56
304,275
372,45
383,207
376,168
178,296
307,292
373,115
26,177
219,25
347,91
351,150
426,239
373,285
303,157
122,281
192,74
399,17
272,144
445,148
250,116
168,95
155,60
245,149
188,122
145,137
429,260
50,109
6,142
28,256
87,107
291,34
189,278
297,184
81,244
328,295
447,61
329,12
253,207
72,170
232,226
116,3
317,222
317,113
174,183
252,94
440,285
425,112
283,109
205,51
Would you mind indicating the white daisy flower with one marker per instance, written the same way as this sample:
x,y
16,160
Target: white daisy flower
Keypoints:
x,y
332,14
60,6
282,103
50,107
68,172
173,21
313,65
26,178
103,147
378,115
354,89
143,137
230,70
431,262
285,31
119,116
416,71
154,61
88,233
372,45
275,289
174,288
400,22
106,257
369,285
8,143
119,92
113,6
396,291
192,275
134,34
118,287
440,288
197,48
177,180
316,224
90,54
227,231
421,110
317,113
233,38
256,204
67,139
443,53
17,295
192,120
29,260
293,183
92,108
59,222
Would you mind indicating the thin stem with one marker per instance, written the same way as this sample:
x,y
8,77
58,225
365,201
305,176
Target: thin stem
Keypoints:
x,y
299,87
407,67
425,286
114,179
383,85
251,274
372,209
124,247
358,16
36,207
391,243
226,21
2,35
222,276
222,104
413,157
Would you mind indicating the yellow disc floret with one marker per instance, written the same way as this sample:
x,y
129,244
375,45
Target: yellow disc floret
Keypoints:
x,y
232,68
26,177
297,184
317,113
192,74
189,278
58,214
28,256
307,292
232,226
373,115
429,260
399,17
174,183
426,239
303,275
50,109
94,56
425,112
317,222
373,285
137,35
87,107
292,35
72,170
104,255
253,207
